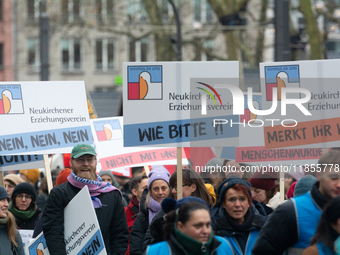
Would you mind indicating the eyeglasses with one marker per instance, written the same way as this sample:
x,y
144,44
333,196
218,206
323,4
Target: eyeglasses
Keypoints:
x,y
27,197
175,187
89,160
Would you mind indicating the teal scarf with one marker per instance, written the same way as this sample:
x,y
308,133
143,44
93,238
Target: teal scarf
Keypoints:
x,y
191,246
3,221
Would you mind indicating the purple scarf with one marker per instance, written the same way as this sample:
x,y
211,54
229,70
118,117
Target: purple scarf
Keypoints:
x,y
95,187
154,207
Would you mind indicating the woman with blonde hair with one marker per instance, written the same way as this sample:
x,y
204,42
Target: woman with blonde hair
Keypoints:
x,y
10,239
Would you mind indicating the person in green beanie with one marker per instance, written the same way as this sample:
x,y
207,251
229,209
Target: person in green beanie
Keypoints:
x,y
187,231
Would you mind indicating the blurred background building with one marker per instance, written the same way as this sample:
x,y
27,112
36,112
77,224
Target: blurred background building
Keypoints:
x,y
90,39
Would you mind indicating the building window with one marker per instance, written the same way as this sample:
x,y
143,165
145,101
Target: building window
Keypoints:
x,y
71,54
138,50
105,54
33,56
136,11
70,11
32,10
104,10
202,11
1,56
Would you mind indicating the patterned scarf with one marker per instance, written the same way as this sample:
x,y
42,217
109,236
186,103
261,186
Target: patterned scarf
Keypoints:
x,y
95,187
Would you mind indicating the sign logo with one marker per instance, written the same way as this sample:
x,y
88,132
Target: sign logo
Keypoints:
x,y
248,115
11,99
108,130
145,83
208,92
281,77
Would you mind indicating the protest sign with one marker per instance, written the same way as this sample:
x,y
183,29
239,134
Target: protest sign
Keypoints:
x,y
16,162
82,234
37,246
108,138
309,119
252,149
175,103
43,117
26,236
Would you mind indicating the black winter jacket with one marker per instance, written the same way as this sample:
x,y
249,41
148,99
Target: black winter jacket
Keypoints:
x,y
222,226
139,228
111,218
154,234
280,231
29,223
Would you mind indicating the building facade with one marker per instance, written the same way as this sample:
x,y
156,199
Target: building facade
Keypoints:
x,y
6,39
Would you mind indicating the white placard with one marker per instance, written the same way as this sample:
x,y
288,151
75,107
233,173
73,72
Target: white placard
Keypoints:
x,y
81,230
252,149
43,117
321,129
108,139
174,103
15,162
26,236
83,233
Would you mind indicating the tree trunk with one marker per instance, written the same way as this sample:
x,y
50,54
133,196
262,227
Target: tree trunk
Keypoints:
x,y
223,8
260,34
164,49
315,38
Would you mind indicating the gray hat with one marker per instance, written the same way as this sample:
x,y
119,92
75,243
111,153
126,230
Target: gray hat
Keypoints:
x,y
109,173
304,185
214,163
3,193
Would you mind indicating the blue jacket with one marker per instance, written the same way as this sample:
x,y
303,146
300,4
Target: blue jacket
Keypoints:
x,y
307,218
219,246
324,250
242,241
292,224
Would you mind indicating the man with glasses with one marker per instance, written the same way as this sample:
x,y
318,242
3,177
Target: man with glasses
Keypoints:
x,y
106,199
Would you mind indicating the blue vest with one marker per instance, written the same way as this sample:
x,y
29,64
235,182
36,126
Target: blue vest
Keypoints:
x,y
164,249
308,215
324,250
249,246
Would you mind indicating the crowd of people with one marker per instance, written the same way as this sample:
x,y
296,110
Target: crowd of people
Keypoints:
x,y
220,213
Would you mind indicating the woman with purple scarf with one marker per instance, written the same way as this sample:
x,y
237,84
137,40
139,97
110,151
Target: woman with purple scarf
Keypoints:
x,y
158,190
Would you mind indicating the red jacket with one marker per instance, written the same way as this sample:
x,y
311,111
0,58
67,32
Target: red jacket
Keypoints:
x,y
131,212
